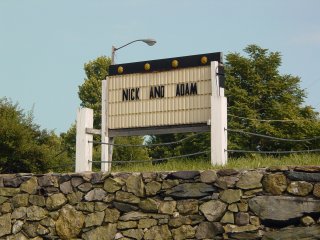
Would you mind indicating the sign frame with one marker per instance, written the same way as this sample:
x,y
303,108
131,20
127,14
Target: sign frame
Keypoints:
x,y
217,124
158,66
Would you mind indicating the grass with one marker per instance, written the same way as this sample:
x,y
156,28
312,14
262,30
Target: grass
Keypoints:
x,y
254,161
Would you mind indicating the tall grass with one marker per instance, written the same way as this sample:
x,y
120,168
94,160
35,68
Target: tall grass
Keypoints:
x,y
254,161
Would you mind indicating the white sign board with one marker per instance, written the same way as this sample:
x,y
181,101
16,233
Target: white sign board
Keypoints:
x,y
150,98
157,99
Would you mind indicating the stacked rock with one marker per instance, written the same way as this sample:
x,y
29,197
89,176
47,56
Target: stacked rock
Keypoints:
x,y
273,203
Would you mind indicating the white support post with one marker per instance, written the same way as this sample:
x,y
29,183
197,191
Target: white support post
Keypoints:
x,y
83,145
106,150
218,121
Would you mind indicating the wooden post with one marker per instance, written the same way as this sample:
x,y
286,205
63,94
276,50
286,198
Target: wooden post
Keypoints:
x,y
106,150
83,147
218,120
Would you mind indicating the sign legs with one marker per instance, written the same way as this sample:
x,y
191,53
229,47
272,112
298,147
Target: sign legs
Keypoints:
x,y
83,140
106,149
219,140
218,130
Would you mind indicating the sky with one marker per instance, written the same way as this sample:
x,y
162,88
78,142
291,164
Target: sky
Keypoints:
x,y
44,44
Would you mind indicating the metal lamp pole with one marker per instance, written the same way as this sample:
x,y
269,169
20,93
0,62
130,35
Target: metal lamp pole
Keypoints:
x,y
106,150
148,41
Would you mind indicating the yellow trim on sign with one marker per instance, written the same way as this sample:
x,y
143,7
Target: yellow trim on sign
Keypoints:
x,y
204,60
175,63
147,67
120,69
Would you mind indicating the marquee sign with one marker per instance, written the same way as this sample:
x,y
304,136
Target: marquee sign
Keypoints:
x,y
160,93
174,95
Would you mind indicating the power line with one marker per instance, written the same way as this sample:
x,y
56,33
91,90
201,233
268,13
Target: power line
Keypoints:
x,y
313,82
147,145
271,120
273,152
154,160
317,104
272,137
64,150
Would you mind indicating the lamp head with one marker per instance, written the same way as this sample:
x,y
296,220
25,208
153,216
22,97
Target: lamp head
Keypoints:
x,y
149,41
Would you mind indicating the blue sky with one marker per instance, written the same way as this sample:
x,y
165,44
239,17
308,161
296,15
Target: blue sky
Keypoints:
x,y
44,44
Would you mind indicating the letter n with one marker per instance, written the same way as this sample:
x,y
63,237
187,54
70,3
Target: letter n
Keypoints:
x,y
125,94
193,89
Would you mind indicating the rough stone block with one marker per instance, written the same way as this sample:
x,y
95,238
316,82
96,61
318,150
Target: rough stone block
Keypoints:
x,y
231,195
275,183
208,176
250,180
213,210
300,188
242,218
5,224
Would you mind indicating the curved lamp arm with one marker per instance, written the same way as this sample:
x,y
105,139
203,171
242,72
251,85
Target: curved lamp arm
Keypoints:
x,y
148,41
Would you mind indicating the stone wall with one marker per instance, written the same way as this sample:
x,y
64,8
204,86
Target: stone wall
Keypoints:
x,y
273,203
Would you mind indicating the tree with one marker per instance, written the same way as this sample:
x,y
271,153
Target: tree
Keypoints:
x,y
90,91
256,90
23,146
90,96
68,140
192,143
159,152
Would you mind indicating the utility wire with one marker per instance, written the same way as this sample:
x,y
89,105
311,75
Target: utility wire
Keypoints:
x,y
313,82
60,152
273,138
271,120
317,104
273,152
147,145
154,160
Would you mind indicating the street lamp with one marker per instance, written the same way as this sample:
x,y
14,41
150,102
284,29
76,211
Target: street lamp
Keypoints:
x,y
148,41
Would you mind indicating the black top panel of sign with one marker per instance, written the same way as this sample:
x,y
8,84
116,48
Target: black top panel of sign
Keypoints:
x,y
165,64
